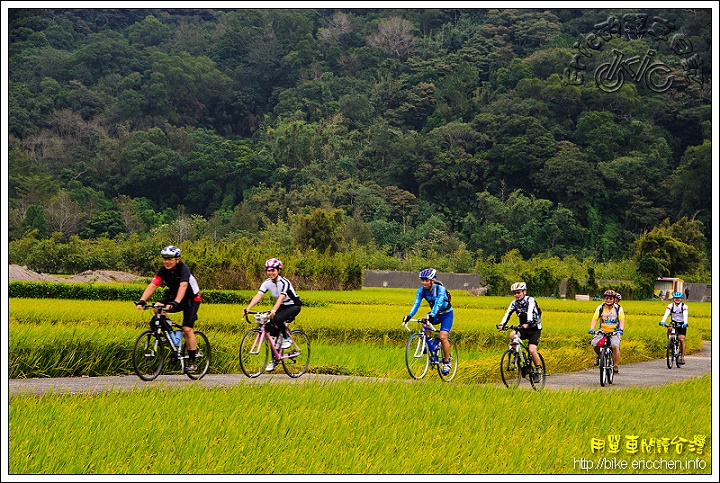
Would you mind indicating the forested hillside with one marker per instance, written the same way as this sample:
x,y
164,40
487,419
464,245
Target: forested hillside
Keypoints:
x,y
441,134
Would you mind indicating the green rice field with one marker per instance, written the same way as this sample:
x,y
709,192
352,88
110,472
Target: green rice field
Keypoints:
x,y
379,427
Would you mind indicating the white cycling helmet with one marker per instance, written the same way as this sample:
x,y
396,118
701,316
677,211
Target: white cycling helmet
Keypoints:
x,y
428,273
518,286
170,252
273,263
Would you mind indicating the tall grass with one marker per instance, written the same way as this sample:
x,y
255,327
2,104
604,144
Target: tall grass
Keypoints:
x,y
354,428
374,427
351,333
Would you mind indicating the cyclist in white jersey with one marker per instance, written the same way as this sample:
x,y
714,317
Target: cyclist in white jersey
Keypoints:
x,y
678,313
287,304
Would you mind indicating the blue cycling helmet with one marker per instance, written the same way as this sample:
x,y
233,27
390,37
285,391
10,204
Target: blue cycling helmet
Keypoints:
x,y
677,295
170,252
428,273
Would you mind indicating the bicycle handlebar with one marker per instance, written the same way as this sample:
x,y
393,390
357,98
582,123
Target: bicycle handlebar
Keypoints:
x,y
156,306
420,321
250,312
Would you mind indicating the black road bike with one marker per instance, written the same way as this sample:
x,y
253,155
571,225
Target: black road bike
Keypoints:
x,y
163,342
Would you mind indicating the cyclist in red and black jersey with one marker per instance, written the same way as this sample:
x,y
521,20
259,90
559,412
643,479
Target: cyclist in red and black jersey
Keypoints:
x,y
182,293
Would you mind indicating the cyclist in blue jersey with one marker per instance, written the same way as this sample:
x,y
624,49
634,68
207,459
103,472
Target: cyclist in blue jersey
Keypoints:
x,y
441,311
183,293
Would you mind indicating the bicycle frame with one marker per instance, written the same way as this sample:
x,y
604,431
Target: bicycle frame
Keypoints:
x,y
254,354
262,318
522,361
521,348
164,329
423,329
418,356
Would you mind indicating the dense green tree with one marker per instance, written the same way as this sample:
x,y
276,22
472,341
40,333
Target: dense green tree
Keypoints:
x,y
35,220
569,178
104,224
149,32
691,184
668,250
199,92
284,111
105,53
321,231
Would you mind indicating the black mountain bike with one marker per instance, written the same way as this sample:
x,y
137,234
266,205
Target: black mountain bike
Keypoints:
x,y
164,341
672,350
516,363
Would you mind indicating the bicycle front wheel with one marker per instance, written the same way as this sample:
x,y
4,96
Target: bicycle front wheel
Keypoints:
x,y
509,370
148,356
298,354
254,353
417,356
202,356
669,354
603,368
453,361
541,383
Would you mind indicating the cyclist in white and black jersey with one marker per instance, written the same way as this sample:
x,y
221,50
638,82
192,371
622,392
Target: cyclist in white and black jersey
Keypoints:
x,y
287,303
530,324
678,313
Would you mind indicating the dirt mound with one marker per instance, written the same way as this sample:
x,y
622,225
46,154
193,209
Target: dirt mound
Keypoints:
x,y
17,272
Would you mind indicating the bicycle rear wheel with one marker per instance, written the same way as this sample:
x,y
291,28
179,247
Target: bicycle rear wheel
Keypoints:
x,y
678,355
509,369
417,356
669,354
148,356
254,353
297,364
453,360
541,384
202,356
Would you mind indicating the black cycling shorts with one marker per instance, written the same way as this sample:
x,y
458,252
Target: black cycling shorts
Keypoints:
x,y
531,334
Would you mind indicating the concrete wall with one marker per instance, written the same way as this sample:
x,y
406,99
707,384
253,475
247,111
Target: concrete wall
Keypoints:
x,y
393,279
699,292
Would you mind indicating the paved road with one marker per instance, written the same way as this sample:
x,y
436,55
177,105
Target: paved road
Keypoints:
x,y
642,374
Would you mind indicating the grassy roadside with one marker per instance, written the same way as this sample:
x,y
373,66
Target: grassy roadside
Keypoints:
x,y
361,428
357,333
